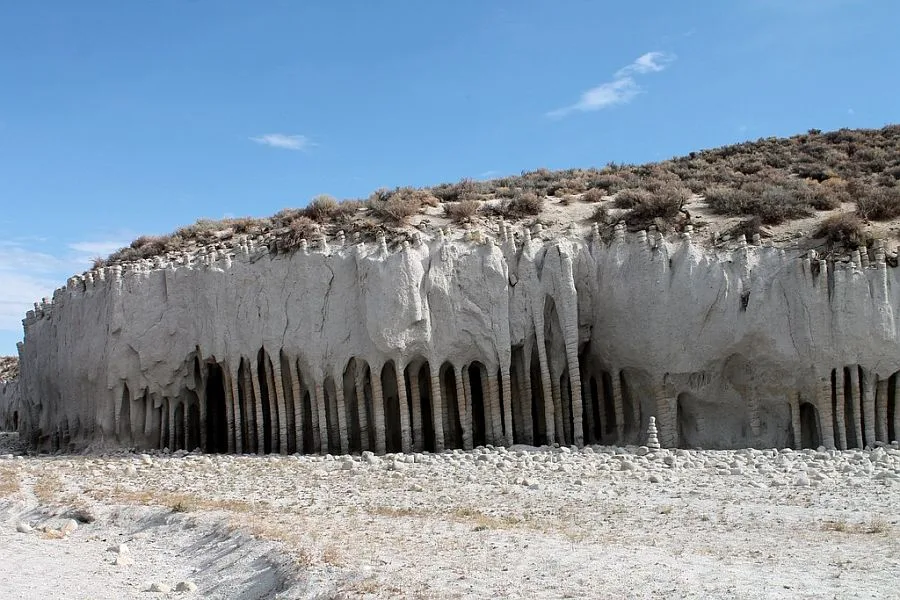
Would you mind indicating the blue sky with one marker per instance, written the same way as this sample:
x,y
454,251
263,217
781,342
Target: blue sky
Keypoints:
x,y
121,118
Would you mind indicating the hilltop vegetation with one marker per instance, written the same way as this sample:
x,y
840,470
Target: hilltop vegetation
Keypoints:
x,y
9,368
767,182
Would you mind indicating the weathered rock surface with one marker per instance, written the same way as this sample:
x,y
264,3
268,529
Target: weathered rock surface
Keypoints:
x,y
453,343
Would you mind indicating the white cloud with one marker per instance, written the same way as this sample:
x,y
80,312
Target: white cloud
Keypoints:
x,y
102,248
284,140
651,62
622,89
25,277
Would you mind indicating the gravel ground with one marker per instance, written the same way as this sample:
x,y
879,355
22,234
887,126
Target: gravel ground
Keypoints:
x,y
522,522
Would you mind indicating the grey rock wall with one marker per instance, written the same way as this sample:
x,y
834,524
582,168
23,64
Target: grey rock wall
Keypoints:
x,y
459,342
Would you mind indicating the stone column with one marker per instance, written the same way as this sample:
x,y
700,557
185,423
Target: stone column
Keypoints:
x,y
249,411
230,403
667,418
462,400
549,418
260,421
298,406
526,400
496,422
378,412
341,414
403,400
282,406
881,410
867,385
857,405
587,399
272,400
325,446
362,405
796,425
172,442
437,406
566,401
506,384
826,416
560,432
840,433
415,398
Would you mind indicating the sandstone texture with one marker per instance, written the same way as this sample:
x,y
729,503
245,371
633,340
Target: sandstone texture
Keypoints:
x,y
465,338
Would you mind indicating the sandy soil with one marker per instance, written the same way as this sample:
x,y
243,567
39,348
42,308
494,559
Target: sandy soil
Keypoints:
x,y
521,522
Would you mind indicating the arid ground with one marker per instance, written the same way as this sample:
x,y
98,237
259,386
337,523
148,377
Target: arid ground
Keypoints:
x,y
522,522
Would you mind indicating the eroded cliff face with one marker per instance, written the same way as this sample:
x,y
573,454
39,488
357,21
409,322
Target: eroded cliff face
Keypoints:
x,y
453,343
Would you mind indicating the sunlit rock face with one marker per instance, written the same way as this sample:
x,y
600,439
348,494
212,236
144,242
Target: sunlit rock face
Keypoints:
x,y
453,343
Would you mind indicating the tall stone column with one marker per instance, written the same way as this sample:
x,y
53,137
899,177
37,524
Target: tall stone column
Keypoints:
x,y
796,424
437,406
272,402
506,383
229,407
526,400
557,411
881,410
297,394
549,418
403,400
362,406
840,433
249,411
260,421
341,414
378,412
826,416
857,405
415,398
867,385
496,422
667,418
282,406
618,405
464,404
325,446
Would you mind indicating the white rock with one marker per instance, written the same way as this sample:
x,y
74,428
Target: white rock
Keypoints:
x,y
23,527
159,587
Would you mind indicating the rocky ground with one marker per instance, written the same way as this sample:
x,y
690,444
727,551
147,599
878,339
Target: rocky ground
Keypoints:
x,y
522,522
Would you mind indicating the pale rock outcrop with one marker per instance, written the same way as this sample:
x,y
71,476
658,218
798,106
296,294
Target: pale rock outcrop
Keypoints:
x,y
454,343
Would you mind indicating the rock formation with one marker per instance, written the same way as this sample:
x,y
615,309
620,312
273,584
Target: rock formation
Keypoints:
x,y
502,337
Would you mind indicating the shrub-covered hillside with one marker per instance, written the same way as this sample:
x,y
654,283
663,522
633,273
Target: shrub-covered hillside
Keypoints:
x,y
9,368
766,182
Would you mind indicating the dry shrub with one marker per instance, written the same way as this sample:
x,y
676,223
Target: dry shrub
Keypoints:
x,y
461,211
300,227
632,197
846,229
876,203
321,208
771,203
525,204
746,228
466,189
398,205
593,195
600,215
660,210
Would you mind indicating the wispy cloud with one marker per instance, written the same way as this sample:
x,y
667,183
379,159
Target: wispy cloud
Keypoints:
x,y
97,248
622,89
284,140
